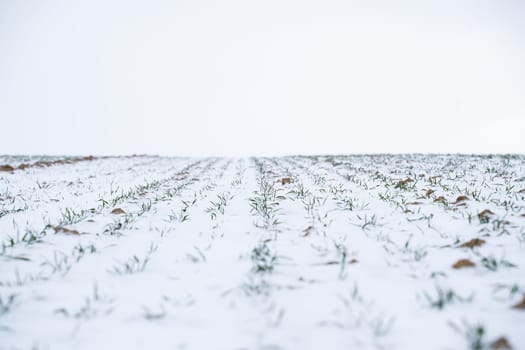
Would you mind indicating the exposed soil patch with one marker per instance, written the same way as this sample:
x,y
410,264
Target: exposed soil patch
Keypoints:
x,y
463,263
429,192
60,229
43,164
475,242
286,180
521,304
461,199
118,211
501,343
6,167
485,215
440,199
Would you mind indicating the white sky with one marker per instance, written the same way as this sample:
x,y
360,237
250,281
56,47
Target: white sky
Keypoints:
x,y
265,77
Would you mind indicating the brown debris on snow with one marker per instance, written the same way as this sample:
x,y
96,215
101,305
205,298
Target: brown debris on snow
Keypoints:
x,y
520,305
460,199
403,183
286,180
45,163
440,199
414,203
501,343
462,263
485,214
66,230
522,190
474,242
429,192
6,167
118,211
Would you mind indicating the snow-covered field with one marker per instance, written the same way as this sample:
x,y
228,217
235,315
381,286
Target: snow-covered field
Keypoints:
x,y
332,252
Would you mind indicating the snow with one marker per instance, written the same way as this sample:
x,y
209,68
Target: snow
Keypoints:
x,y
347,255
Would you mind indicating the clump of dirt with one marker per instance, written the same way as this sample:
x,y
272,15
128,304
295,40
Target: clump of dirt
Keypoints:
x,y
403,183
6,167
486,212
520,305
429,192
463,263
474,242
118,211
461,199
500,343
286,180
353,261
414,203
23,166
45,163
484,216
66,230
440,199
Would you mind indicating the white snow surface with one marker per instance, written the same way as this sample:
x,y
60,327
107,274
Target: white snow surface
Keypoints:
x,y
224,253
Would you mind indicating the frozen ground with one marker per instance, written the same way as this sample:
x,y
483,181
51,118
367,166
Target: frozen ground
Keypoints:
x,y
342,252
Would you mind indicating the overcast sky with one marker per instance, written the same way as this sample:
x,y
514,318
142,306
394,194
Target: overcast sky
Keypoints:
x,y
261,77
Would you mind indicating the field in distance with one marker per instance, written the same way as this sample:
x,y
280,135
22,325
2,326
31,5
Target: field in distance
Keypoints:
x,y
320,252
